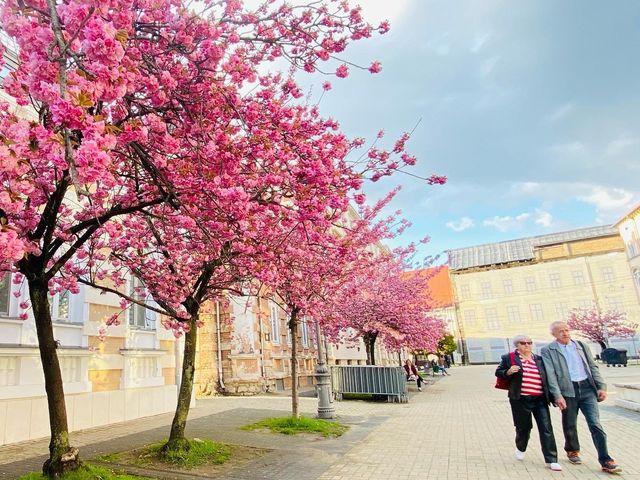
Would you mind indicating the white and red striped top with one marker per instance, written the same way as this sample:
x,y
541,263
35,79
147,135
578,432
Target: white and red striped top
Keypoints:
x,y
531,381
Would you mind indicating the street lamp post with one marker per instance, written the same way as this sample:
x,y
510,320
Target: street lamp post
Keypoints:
x,y
323,381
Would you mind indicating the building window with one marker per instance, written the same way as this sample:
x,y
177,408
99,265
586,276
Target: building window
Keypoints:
x,y
9,371
513,313
562,310
615,303
485,289
585,304
465,292
304,331
275,323
491,315
508,286
5,293
59,304
288,331
139,316
578,277
608,275
530,284
536,312
469,317
636,277
554,280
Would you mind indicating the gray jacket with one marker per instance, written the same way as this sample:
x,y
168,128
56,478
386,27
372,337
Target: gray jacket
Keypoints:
x,y
558,371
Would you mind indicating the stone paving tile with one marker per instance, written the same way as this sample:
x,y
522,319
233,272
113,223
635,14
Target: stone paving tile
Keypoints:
x,y
459,427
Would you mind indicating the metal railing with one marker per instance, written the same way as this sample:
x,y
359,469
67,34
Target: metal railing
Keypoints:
x,y
369,379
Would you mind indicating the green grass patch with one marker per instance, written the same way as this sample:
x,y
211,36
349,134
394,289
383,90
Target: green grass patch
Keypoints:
x,y
292,426
109,457
201,452
87,472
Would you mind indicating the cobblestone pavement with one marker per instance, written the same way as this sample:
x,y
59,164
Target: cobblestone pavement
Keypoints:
x,y
459,427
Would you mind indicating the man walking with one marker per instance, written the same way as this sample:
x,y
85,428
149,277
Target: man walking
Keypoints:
x,y
575,384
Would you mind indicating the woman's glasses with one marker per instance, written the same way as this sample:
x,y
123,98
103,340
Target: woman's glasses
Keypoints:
x,y
525,343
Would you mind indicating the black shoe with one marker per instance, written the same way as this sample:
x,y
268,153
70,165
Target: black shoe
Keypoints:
x,y
574,457
611,466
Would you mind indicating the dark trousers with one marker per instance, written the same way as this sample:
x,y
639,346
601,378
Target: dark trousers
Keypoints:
x,y
522,409
585,400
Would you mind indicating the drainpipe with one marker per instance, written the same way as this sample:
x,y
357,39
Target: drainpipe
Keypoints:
x,y
220,379
261,335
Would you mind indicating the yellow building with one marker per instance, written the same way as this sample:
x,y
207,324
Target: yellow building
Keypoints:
x,y
629,227
521,286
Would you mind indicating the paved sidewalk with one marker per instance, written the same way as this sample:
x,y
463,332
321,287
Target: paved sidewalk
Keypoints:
x,y
460,427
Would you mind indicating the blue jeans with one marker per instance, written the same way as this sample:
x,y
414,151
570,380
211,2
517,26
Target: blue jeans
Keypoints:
x,y
586,401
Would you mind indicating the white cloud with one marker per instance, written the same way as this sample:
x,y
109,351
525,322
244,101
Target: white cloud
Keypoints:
x,y
487,66
620,144
544,218
375,11
479,42
561,112
507,223
460,225
609,202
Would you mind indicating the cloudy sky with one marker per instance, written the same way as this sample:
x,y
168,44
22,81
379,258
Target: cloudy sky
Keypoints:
x,y
530,108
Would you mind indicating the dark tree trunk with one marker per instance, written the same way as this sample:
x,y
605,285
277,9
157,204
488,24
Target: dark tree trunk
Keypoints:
x,y
603,344
293,326
177,440
62,457
369,339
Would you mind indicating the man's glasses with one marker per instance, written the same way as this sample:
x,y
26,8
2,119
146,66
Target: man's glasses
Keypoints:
x,y
525,343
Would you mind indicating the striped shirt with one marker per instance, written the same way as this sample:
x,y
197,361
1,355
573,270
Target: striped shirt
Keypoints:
x,y
531,381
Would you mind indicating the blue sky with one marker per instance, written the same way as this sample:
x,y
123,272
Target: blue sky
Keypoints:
x,y
530,108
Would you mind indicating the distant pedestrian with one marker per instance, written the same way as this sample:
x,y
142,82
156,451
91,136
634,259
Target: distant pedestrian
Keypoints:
x,y
412,372
529,396
575,384
442,366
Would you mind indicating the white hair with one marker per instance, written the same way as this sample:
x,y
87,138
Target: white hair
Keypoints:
x,y
555,325
519,338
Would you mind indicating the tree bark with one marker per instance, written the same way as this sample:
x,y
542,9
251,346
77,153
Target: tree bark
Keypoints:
x,y
62,457
603,344
177,440
293,326
369,339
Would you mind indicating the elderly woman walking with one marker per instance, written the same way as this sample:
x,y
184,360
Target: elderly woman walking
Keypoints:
x,y
529,396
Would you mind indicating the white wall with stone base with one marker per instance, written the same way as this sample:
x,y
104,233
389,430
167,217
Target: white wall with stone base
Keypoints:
x,y
27,418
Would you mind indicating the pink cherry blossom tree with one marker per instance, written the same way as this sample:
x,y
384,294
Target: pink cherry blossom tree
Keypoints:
x,y
316,259
384,302
599,326
111,84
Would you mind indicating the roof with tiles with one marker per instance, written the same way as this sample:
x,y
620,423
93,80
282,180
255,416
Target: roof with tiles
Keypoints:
x,y
520,250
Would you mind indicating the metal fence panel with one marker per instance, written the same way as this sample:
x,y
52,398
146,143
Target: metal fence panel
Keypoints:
x,y
369,379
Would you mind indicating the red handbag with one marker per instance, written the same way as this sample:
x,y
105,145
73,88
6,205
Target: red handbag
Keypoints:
x,y
503,383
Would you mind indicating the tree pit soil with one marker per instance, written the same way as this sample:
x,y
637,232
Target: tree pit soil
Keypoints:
x,y
137,462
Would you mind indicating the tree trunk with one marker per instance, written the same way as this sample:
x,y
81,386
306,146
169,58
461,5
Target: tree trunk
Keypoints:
x,y
62,457
293,324
369,339
603,344
177,440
